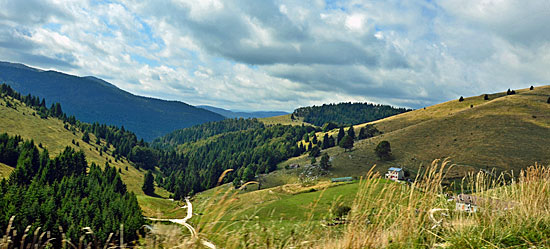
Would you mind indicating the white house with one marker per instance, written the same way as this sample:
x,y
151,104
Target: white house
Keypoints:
x,y
467,203
395,174
471,203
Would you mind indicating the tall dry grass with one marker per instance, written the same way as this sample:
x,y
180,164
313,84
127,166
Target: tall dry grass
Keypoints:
x,y
418,215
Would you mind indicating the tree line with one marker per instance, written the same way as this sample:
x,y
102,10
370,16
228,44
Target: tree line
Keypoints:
x,y
202,131
346,113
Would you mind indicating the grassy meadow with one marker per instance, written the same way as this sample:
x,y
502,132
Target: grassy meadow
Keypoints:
x,y
383,215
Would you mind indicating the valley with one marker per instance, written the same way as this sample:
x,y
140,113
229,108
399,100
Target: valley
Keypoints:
x,y
475,134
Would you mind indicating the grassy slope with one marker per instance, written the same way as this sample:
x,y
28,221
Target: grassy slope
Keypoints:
x,y
284,120
51,134
5,170
504,132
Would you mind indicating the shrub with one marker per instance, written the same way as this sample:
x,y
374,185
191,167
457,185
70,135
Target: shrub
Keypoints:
x,y
341,211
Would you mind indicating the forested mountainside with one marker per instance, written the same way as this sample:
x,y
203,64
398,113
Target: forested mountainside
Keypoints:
x,y
197,132
346,113
62,192
91,100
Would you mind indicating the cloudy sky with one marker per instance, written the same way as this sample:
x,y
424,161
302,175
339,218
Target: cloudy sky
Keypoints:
x,y
279,55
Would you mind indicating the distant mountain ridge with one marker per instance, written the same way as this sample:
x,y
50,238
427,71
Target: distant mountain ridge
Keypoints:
x,y
91,99
239,114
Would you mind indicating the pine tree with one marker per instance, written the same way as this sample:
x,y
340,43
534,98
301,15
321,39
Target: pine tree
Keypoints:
x,y
315,151
486,97
531,88
461,99
346,143
351,132
314,139
148,184
325,162
86,137
326,142
341,135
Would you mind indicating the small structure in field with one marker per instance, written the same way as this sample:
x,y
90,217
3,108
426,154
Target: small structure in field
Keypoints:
x,y
294,166
472,203
342,179
466,203
395,174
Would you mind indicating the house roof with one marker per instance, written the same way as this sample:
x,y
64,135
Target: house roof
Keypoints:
x,y
395,169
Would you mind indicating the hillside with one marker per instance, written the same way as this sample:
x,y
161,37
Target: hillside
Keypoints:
x,y
51,134
239,114
503,133
91,99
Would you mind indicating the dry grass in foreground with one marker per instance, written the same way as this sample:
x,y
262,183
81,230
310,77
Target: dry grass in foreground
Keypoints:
x,y
394,216
410,216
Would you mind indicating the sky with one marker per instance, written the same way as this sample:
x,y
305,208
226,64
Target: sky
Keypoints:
x,y
280,55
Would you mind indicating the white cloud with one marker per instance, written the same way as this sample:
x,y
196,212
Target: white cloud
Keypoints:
x,y
281,54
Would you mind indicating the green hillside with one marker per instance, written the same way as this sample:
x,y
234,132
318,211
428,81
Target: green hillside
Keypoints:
x,y
505,132
51,134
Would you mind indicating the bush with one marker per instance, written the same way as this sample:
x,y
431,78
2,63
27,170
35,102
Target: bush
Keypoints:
x,y
383,150
341,211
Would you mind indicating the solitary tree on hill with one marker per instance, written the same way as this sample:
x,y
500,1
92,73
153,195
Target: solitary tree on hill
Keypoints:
x,y
486,97
148,184
325,162
383,150
531,88
461,99
346,143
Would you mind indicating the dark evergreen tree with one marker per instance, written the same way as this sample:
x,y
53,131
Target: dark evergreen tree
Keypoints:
x,y
86,137
383,150
314,139
325,162
341,135
531,88
326,142
346,143
148,184
486,97
548,101
461,99
351,132
315,151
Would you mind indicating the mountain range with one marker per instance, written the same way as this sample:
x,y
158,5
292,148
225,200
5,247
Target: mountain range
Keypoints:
x,y
94,100
240,114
